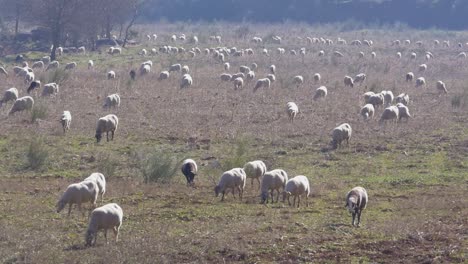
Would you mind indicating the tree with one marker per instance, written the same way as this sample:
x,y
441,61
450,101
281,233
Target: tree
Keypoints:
x,y
15,10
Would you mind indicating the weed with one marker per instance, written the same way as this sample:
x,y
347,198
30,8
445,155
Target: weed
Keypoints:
x,y
37,154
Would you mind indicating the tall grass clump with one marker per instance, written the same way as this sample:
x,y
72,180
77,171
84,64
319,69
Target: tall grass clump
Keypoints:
x,y
156,166
58,76
37,154
39,111
107,165
238,157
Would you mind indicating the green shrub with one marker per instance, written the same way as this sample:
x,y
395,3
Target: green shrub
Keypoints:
x,y
156,166
39,111
58,76
238,157
37,154
107,165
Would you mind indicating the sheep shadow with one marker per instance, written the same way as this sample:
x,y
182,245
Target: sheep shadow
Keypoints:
x,y
78,247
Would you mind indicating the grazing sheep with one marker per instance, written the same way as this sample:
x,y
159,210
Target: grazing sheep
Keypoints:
x,y
461,55
226,77
185,69
38,65
34,85
273,69
420,82
50,89
81,49
367,95
376,100
112,100
163,75
232,179
250,75
321,92
361,55
388,97
175,67
398,55
271,181
78,193
143,52
111,75
348,81
145,69
29,77
409,77
254,170
114,50
356,201
390,113
292,110
373,55
105,217
106,124
186,81
100,181
22,104
265,82
238,83
272,77
59,51
413,55
90,64
226,66
402,98
53,65
403,111
70,66
296,187
440,85
244,69
65,120
360,78
341,133
321,53
3,71
422,68
189,169
9,95
317,77
298,80
367,111
237,75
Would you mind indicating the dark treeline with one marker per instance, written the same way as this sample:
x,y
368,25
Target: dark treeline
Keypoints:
x,y
447,14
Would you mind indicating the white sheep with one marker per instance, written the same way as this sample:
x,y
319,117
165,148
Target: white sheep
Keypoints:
x,y
298,80
9,95
65,120
348,81
413,55
78,193
360,78
420,82
388,97
272,77
271,181
163,75
145,69
29,77
422,67
50,89
398,55
175,67
390,113
338,54
244,69
402,98
106,124
373,55
321,53
232,179
292,110
90,64
59,51
226,77
462,55
226,66
36,84
409,77
367,111
53,65
321,92
441,87
110,75
114,50
403,111
317,77
255,170
341,133
250,75
189,169
38,65
22,104
100,181
296,187
112,100
356,201
361,55
81,49
272,69
186,81
238,83
265,82
367,95
185,69
237,75
143,52
70,66
106,217
376,100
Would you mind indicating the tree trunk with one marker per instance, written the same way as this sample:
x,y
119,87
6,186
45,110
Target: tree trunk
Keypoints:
x,y
130,24
108,28
17,18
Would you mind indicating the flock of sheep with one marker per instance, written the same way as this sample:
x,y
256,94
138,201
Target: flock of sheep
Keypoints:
x,y
110,216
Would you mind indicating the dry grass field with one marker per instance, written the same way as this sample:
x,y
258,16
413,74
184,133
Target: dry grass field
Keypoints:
x,y
416,172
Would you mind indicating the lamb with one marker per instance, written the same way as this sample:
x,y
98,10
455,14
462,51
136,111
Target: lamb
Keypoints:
x,y
110,75
390,113
232,179
298,80
376,100
186,81
341,133
409,77
271,181
440,85
321,92
296,187
53,65
78,193
403,112
9,95
360,78
70,66
317,77
50,89
105,217
367,111
292,110
420,82
189,169
34,85
254,170
238,83
112,100
100,181
265,82
402,98
175,67
38,65
356,201
90,64
65,120
164,75
3,71
388,97
22,104
348,81
108,123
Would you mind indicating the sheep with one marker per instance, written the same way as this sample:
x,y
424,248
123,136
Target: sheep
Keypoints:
x,y
189,169
244,69
255,170
356,201
441,87
296,187
185,69
65,120
21,104
50,89
420,82
403,112
360,78
34,85
341,133
402,98
46,59
112,100
53,65
9,95
367,111
237,75
29,77
398,55
373,55
422,68
3,71
238,83
175,67
105,217
348,81
250,75
361,55
110,75
114,50
100,181
81,49
78,193
186,81
298,80
321,92
59,51
143,52
390,113
367,95
145,69
317,77
70,66
376,100
409,77
338,54
90,64
272,77
413,55
226,77
108,123
226,66
155,37
272,69
461,55
38,65
232,179
271,181
265,82
163,75
388,97
292,110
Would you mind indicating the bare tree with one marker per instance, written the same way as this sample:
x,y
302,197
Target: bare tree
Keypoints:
x,y
15,10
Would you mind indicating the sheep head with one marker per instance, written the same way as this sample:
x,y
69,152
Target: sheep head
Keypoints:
x,y
217,190
60,205
90,238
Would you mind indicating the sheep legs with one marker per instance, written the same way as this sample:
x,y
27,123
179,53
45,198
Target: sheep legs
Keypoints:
x,y
241,190
116,233
105,235
69,209
354,216
358,218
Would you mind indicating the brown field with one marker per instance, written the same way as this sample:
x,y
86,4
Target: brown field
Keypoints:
x,y
415,172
